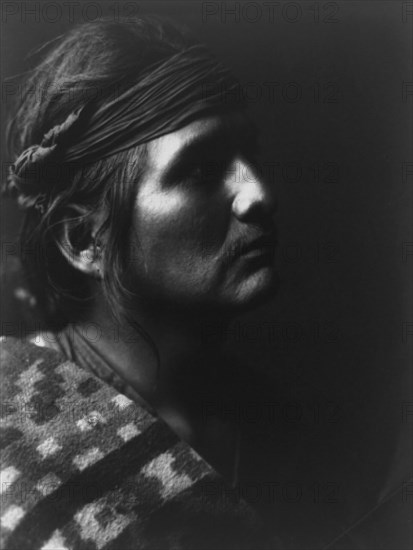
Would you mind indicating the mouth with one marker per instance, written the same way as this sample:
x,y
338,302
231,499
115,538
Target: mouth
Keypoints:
x,y
261,247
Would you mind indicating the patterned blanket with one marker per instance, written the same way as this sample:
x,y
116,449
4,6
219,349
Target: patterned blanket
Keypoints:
x,y
84,467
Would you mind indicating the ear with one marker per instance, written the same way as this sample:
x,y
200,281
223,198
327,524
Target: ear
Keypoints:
x,y
77,243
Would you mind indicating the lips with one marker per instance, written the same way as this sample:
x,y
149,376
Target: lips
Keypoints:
x,y
258,248
266,243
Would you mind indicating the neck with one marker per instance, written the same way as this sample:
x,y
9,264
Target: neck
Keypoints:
x,y
189,345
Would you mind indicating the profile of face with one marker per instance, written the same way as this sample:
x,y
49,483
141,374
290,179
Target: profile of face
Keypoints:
x,y
203,228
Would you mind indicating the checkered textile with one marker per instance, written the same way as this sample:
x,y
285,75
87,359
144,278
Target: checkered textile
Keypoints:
x,y
84,467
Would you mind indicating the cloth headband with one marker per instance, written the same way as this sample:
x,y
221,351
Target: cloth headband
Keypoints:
x,y
169,95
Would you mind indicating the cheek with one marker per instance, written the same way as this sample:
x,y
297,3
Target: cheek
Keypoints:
x,y
178,235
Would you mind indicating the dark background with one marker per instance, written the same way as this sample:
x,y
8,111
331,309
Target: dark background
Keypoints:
x,y
338,337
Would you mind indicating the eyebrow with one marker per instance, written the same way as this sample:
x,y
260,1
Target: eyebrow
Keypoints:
x,y
218,141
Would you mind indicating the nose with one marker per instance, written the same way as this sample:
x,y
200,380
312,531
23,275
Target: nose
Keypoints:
x,y
254,197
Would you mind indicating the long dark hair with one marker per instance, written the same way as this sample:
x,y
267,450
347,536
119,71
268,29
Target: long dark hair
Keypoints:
x,y
88,64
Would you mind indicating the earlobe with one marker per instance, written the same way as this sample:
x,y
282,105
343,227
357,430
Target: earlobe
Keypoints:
x,y
88,262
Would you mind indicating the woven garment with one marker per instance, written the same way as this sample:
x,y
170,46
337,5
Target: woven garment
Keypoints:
x,y
84,467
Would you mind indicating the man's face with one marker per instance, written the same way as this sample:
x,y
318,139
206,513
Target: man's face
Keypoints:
x,y
199,208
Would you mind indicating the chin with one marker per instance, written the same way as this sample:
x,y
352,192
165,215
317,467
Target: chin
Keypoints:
x,y
257,290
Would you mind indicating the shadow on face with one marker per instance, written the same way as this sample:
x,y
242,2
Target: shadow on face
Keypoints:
x,y
204,232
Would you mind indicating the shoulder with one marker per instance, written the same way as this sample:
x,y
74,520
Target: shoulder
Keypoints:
x,y
83,464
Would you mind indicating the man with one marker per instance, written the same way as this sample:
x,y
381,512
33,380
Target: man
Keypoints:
x,y
152,223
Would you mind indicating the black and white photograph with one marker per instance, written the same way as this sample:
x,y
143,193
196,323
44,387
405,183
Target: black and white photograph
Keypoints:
x,y
206,270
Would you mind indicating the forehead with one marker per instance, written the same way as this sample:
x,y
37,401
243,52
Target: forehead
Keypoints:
x,y
164,150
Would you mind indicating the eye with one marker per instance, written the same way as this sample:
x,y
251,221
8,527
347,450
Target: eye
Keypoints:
x,y
207,172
